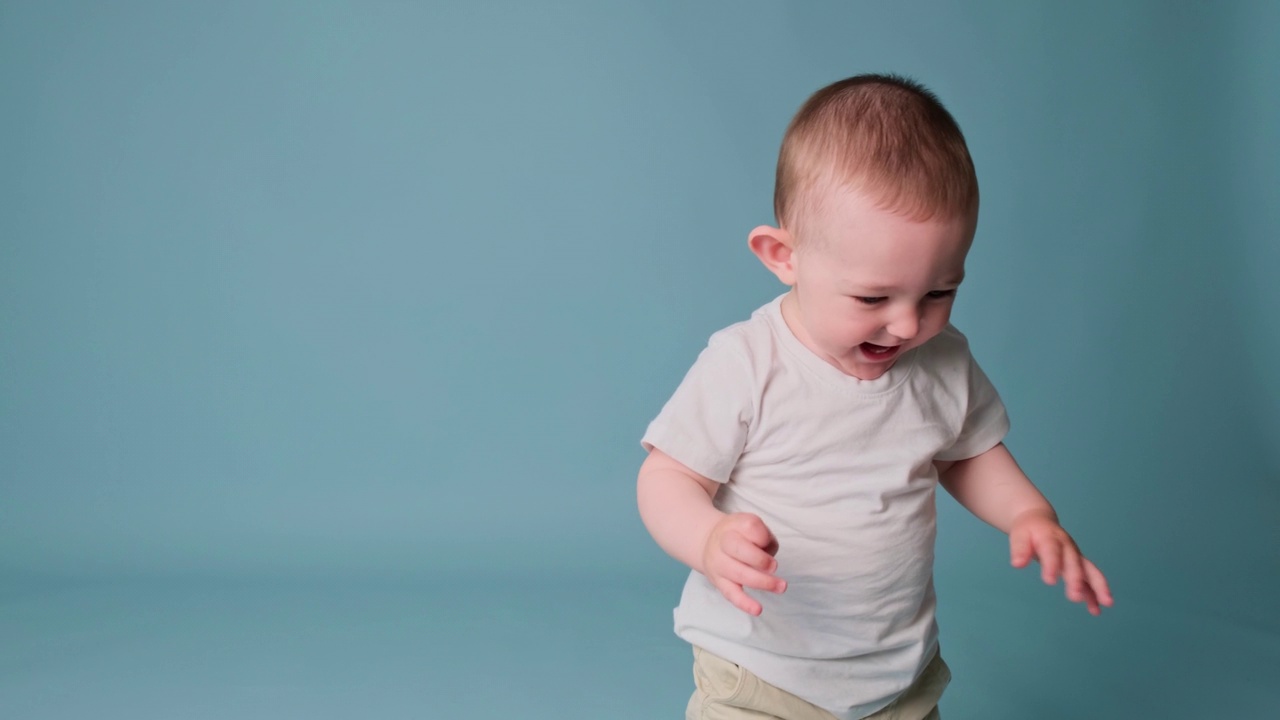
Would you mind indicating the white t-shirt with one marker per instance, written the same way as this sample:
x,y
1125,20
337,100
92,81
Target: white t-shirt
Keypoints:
x,y
841,470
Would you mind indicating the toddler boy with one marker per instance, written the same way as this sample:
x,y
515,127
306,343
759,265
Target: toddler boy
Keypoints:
x,y
794,468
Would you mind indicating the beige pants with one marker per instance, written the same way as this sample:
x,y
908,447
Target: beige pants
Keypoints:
x,y
728,692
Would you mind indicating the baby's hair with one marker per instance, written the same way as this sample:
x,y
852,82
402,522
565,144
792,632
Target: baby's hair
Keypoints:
x,y
884,135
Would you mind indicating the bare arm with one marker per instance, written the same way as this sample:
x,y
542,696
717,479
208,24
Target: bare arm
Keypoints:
x,y
994,488
675,505
732,551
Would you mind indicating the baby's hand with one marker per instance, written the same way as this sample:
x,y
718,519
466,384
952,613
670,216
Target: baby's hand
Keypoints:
x,y
739,554
1038,535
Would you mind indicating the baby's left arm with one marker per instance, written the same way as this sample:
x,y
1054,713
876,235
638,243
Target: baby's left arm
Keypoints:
x,y
994,488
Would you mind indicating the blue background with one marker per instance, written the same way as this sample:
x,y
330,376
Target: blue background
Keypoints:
x,y
328,331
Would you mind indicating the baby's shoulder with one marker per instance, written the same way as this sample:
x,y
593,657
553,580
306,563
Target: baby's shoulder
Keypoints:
x,y
751,342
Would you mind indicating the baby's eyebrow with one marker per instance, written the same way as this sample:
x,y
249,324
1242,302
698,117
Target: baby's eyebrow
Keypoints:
x,y
870,290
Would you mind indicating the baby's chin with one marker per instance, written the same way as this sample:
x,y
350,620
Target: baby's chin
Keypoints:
x,y
858,366
869,375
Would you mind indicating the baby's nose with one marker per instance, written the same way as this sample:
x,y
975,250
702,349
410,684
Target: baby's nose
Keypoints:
x,y
905,325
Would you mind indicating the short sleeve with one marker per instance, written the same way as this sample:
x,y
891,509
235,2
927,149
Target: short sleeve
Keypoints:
x,y
704,424
985,424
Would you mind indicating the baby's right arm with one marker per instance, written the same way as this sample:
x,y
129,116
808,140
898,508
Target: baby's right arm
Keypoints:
x,y
732,551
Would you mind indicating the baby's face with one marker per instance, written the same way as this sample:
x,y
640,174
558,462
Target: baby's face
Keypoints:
x,y
871,284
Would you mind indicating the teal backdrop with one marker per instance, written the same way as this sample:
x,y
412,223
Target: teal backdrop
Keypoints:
x,y
328,331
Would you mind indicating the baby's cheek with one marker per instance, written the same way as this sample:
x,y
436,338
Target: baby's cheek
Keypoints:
x,y
936,320
857,331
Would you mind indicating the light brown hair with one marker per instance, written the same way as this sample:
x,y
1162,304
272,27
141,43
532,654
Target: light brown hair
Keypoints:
x,y
884,135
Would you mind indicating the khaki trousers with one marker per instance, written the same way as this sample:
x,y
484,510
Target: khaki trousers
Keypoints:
x,y
726,691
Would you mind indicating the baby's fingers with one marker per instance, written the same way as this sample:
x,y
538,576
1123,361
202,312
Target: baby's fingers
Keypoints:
x,y
734,582
1098,584
1093,588
1020,551
1050,553
750,577
1073,574
740,599
1091,601
747,552
754,530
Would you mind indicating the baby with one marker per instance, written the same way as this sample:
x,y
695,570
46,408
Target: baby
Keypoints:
x,y
794,468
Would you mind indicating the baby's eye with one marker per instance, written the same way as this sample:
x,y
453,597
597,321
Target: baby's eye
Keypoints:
x,y
870,300
940,294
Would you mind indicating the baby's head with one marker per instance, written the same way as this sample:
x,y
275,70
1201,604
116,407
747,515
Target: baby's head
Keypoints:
x,y
877,201
884,136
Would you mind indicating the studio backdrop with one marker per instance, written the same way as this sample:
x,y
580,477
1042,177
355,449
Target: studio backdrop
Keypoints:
x,y
390,290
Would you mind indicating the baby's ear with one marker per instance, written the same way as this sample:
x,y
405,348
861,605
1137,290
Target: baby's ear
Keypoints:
x,y
775,248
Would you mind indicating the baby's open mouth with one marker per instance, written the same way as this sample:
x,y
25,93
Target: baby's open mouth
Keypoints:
x,y
879,352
